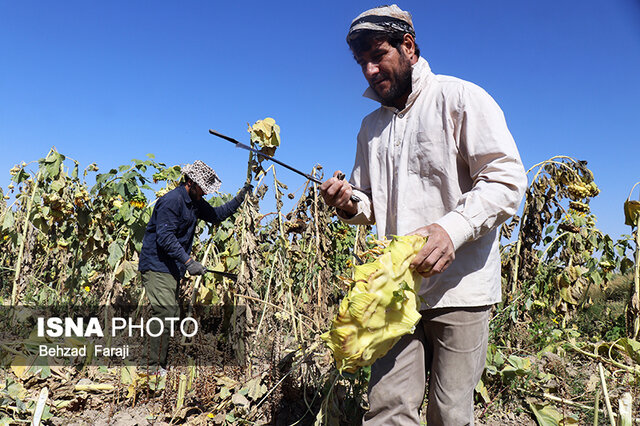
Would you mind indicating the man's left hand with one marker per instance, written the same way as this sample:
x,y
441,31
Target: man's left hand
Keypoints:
x,y
244,190
437,253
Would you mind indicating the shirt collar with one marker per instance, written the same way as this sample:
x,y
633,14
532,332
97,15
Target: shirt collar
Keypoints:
x,y
185,195
420,77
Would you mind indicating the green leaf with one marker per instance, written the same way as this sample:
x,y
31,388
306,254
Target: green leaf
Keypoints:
x,y
157,382
494,356
57,185
224,392
20,177
517,366
116,252
547,415
256,388
126,272
20,365
632,348
101,177
120,189
398,296
83,218
128,374
131,188
6,421
8,221
520,363
98,235
44,370
565,294
626,265
16,391
52,164
124,212
46,413
481,390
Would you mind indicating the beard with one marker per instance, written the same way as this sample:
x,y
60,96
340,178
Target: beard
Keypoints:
x,y
193,193
400,84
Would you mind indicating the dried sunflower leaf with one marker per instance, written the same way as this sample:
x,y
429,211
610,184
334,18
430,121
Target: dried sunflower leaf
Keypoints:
x,y
631,212
266,134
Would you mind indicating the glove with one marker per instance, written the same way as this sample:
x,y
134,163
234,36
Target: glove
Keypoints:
x,y
243,191
194,267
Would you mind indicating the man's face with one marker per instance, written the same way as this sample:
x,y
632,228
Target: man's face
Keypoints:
x,y
388,71
195,192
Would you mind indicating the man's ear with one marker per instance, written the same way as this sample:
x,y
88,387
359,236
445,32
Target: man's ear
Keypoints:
x,y
408,46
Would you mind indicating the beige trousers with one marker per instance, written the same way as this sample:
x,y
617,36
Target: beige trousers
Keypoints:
x,y
451,344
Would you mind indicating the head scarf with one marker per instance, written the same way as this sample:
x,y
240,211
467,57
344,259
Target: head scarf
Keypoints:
x,y
383,19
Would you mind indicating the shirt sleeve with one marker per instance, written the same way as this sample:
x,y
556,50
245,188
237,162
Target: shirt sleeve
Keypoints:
x,y
499,180
360,178
216,215
167,223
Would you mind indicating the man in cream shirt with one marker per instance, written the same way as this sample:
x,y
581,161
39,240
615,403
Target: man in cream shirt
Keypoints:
x,y
435,159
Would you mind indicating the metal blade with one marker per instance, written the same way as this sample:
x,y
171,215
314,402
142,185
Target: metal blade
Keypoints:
x,y
248,148
224,274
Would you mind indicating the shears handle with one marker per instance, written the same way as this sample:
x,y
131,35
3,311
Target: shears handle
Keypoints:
x,y
354,198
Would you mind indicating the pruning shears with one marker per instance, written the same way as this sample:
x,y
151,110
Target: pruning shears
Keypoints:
x,y
314,179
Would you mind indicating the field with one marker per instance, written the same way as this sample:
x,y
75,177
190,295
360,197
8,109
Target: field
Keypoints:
x,y
562,345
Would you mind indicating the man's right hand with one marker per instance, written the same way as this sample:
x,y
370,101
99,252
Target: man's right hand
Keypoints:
x,y
337,193
194,267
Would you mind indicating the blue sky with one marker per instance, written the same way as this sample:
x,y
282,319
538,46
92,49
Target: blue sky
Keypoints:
x,y
111,81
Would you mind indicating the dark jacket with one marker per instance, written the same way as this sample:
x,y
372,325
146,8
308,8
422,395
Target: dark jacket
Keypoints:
x,y
169,235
